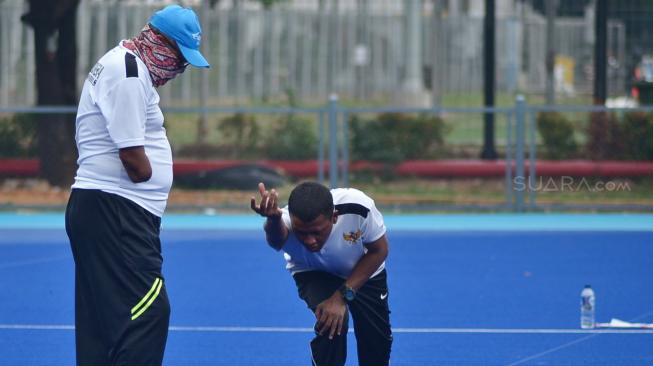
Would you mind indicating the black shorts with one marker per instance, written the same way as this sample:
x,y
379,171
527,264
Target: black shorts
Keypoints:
x,y
121,305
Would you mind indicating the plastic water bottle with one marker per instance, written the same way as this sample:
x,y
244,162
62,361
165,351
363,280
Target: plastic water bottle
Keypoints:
x,y
587,307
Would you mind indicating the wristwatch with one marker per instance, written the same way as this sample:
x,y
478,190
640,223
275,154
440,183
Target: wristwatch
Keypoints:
x,y
348,293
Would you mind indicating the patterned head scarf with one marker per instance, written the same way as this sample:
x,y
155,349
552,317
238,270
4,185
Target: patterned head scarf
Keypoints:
x,y
162,58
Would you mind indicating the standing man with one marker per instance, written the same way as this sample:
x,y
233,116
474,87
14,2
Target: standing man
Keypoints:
x,y
120,192
335,247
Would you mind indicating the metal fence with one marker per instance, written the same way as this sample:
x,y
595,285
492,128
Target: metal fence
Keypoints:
x,y
519,144
529,186
306,54
518,141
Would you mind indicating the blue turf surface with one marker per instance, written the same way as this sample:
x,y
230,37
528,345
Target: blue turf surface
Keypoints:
x,y
461,292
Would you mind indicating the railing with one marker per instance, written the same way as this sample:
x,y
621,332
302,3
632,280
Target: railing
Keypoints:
x,y
518,140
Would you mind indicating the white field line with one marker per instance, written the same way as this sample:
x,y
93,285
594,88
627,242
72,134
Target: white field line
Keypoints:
x,y
28,262
225,329
576,341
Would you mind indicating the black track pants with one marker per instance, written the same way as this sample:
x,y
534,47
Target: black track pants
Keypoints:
x,y
370,313
121,305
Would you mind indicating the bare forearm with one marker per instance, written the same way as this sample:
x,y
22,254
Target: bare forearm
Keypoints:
x,y
365,268
276,232
136,163
137,175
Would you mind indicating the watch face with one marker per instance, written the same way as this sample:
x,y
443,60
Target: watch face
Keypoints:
x,y
349,294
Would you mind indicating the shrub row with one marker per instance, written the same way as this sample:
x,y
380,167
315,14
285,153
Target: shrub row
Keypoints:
x,y
390,138
18,136
628,136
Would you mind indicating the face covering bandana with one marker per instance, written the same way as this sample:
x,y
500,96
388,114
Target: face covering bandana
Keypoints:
x,y
162,59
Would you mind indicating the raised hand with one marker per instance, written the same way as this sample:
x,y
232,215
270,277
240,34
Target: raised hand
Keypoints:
x,y
268,206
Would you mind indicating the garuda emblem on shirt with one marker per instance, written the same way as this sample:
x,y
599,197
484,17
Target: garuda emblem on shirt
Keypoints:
x,y
352,237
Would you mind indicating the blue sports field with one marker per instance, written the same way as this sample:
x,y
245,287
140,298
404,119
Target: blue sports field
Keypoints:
x,y
495,289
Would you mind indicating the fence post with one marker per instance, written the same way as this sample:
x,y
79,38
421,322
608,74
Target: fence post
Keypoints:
x,y
320,148
520,178
345,150
333,140
508,161
532,127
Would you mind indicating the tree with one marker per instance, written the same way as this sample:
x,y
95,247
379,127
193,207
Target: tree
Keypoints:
x,y
54,24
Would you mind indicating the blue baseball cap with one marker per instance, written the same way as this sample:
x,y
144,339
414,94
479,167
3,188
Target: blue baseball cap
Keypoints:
x,y
182,25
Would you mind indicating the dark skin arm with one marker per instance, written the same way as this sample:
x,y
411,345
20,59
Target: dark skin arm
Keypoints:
x,y
276,232
136,163
330,313
377,252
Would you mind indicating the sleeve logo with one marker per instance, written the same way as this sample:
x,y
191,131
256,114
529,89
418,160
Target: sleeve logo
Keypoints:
x,y
94,75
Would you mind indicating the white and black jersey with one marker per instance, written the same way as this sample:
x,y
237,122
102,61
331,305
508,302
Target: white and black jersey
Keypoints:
x,y
359,223
119,108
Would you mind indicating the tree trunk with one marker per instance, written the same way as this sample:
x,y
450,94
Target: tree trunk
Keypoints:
x,y
54,24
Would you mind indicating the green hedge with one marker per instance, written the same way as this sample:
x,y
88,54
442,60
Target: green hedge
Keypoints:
x,y
628,136
242,136
394,137
557,134
291,138
605,140
638,135
18,136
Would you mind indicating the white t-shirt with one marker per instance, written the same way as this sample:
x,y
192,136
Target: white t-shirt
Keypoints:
x,y
119,108
359,223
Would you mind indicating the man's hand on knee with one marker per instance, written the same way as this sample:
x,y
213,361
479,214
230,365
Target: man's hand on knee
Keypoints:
x,y
330,315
